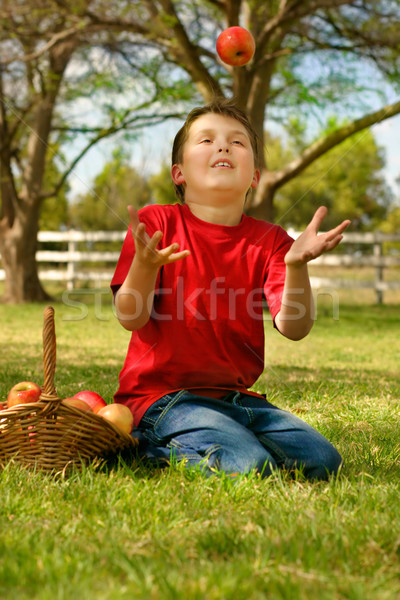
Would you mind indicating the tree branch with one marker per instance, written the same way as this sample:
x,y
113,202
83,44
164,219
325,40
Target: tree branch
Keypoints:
x,y
103,133
333,139
288,13
187,54
55,39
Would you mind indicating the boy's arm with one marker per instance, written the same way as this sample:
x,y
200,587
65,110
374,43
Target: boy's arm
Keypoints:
x,y
296,316
134,299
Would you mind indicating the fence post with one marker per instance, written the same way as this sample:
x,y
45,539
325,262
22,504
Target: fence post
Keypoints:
x,y
71,266
378,253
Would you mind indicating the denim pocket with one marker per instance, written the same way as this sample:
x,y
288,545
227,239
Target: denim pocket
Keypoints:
x,y
155,412
151,415
163,416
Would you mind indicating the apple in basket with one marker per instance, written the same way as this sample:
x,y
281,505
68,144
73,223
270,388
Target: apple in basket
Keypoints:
x,y
77,403
119,415
24,392
94,400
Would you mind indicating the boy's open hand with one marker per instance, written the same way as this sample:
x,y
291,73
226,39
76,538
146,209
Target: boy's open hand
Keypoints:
x,y
146,247
310,245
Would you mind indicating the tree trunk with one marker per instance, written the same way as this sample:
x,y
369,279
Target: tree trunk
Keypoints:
x,y
18,249
19,218
261,203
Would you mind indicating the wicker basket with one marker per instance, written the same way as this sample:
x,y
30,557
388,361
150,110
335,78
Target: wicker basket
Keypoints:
x,y
54,436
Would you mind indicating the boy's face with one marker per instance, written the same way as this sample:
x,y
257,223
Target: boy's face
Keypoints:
x,y
217,157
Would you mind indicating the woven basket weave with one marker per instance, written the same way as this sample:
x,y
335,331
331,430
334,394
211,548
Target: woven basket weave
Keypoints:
x,y
51,435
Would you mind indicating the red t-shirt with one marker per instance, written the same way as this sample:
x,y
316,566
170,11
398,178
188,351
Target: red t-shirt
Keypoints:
x,y
206,330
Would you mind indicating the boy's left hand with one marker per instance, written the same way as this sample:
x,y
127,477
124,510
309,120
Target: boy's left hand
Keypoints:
x,y
310,245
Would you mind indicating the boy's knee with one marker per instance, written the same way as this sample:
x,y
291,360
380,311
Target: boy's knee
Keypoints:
x,y
236,460
328,465
335,462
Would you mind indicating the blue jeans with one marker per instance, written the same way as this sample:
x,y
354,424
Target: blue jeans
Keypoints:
x,y
234,435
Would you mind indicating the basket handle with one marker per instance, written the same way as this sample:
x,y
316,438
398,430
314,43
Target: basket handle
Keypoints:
x,y
49,354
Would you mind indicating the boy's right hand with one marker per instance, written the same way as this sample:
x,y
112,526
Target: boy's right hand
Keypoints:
x,y
147,252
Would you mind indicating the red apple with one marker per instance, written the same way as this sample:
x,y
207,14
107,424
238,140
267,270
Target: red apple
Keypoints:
x,y
76,403
236,46
94,400
119,415
24,392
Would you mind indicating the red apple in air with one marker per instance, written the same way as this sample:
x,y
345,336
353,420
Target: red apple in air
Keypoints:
x,y
24,392
119,415
92,399
236,46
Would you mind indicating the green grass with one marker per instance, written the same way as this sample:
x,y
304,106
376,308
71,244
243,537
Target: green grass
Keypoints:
x,y
128,532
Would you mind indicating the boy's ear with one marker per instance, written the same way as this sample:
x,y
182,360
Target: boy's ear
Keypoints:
x,y
177,175
256,178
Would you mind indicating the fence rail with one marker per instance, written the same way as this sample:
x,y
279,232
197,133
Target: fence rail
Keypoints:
x,y
70,260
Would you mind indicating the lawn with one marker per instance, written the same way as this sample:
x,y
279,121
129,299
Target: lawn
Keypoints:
x,y
127,532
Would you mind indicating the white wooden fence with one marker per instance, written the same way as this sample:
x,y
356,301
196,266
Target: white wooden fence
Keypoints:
x,y
375,257
69,260
72,257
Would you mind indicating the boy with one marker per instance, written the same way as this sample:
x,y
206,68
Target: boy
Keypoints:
x,y
189,284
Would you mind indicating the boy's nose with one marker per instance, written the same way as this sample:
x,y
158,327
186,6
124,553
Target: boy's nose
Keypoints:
x,y
226,149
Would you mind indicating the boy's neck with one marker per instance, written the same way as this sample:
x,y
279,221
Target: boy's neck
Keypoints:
x,y
219,215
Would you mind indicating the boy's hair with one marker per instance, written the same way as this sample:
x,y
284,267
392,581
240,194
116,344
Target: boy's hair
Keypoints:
x,y
219,106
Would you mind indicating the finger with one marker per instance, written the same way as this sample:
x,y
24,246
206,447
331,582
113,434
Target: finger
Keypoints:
x,y
154,240
171,252
140,235
166,252
318,217
134,217
138,228
337,230
178,255
331,244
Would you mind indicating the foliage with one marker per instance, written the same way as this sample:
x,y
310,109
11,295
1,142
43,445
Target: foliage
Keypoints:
x,y
54,210
348,180
162,187
392,222
104,207
130,532
392,225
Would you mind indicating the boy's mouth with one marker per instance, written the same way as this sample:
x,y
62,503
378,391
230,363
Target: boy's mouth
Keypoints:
x,y
222,163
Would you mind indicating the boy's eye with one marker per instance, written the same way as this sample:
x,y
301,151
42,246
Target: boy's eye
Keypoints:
x,y
238,142
206,140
